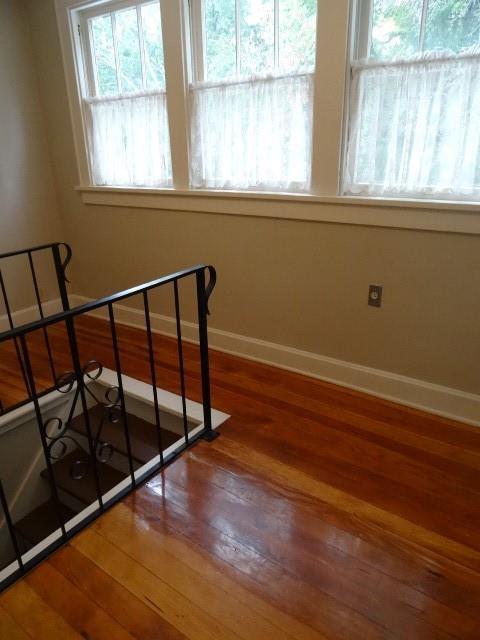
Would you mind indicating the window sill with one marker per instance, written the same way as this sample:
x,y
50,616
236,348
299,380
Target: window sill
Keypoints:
x,y
447,216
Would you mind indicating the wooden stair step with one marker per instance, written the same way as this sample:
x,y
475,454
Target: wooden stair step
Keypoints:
x,y
41,521
83,489
143,434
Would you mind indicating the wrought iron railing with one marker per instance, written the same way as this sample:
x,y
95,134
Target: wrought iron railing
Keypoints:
x,y
90,454
27,257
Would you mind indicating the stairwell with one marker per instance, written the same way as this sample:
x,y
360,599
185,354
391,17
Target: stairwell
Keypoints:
x,y
121,451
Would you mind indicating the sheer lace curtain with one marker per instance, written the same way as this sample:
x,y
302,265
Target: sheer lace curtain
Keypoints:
x,y
129,140
254,134
415,127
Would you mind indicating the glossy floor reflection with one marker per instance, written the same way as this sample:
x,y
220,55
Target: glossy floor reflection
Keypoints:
x,y
318,513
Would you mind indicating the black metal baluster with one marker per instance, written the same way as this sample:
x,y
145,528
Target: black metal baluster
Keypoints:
x,y
40,309
38,414
120,391
153,374
79,375
82,389
10,322
60,272
202,300
180,359
10,527
77,367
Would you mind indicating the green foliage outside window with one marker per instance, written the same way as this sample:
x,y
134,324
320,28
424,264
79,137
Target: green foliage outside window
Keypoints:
x,y
128,74
297,25
450,25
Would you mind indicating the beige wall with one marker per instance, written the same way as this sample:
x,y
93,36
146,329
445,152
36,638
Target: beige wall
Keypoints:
x,y
28,207
300,284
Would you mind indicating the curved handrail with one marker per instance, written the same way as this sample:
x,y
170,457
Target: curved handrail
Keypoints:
x,y
55,248
39,247
112,299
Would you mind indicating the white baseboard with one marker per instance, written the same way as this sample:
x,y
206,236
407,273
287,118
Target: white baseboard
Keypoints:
x,y
30,314
434,398
444,401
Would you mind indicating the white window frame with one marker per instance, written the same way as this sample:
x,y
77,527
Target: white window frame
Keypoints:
x,y
364,26
273,70
198,40
72,17
360,45
336,43
86,37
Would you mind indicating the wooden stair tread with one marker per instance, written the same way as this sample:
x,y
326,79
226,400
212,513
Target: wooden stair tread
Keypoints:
x,y
41,521
143,434
83,489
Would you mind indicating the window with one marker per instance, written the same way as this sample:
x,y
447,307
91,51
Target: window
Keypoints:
x,y
251,101
414,125
248,102
321,97
125,105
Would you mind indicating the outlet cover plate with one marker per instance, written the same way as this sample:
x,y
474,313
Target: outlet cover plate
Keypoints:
x,y
375,294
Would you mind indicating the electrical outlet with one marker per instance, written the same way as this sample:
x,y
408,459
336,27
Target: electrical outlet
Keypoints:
x,y
375,293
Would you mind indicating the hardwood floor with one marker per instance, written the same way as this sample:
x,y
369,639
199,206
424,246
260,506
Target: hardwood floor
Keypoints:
x,y
319,513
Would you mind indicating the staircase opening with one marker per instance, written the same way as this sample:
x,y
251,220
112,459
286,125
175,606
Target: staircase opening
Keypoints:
x,y
81,439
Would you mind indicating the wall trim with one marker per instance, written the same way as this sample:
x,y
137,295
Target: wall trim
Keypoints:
x,y
421,215
419,394
30,314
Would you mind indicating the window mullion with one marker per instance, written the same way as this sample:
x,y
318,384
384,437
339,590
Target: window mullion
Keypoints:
x,y
174,22
423,23
364,29
115,50
90,63
237,36
198,40
332,63
141,43
276,35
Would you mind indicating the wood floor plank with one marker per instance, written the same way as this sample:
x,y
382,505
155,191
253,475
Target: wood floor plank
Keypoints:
x,y
300,481
299,550
220,573
411,498
407,418
428,508
345,419
132,613
273,582
80,611
9,629
415,504
320,513
34,615
385,603
192,621
133,535
411,502
334,529
354,466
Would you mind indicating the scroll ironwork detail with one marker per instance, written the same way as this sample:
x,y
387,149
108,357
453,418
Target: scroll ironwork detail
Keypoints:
x,y
58,433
